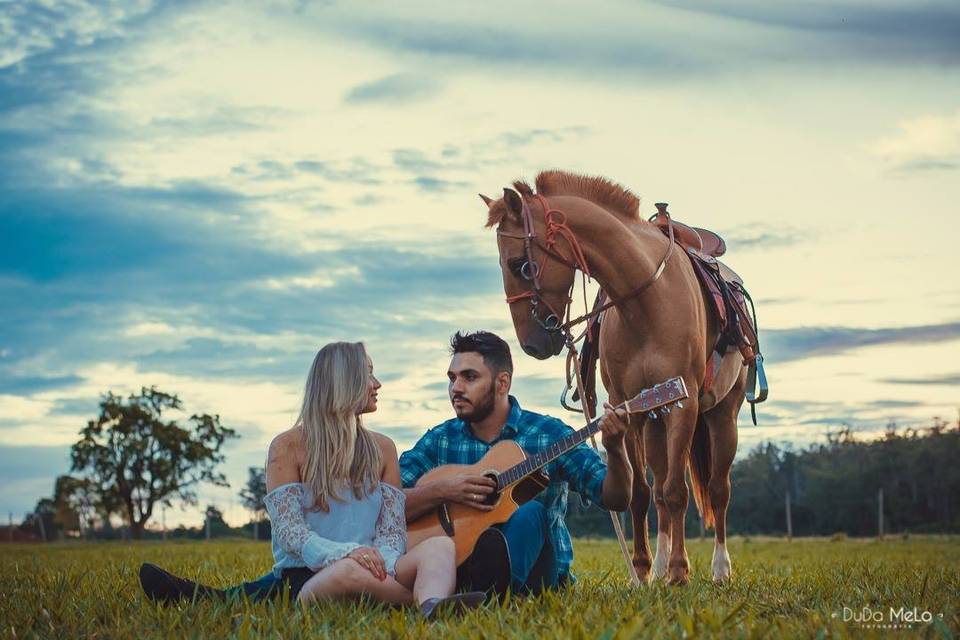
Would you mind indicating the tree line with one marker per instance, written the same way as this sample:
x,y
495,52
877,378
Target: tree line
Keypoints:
x,y
133,459
833,487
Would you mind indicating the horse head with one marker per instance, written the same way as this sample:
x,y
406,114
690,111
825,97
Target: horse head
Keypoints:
x,y
537,284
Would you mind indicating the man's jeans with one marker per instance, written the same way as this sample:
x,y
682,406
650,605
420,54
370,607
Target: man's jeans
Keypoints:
x,y
533,565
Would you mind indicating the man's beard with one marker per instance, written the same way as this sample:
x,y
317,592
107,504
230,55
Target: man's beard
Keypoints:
x,y
481,410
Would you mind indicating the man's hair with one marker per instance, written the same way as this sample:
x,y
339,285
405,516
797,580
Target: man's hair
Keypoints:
x,y
491,347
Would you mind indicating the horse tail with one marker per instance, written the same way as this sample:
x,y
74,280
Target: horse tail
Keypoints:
x,y
700,471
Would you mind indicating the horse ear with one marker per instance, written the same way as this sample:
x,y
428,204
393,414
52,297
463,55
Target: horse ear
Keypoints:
x,y
485,199
514,203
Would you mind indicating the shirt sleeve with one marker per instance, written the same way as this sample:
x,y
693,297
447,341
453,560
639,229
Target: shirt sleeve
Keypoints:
x,y
418,460
582,469
390,536
289,528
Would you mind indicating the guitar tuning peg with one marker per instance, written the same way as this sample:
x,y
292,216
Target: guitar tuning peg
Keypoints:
x,y
679,404
665,410
652,415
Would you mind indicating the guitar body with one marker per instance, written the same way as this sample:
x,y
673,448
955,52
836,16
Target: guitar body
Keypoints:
x,y
464,523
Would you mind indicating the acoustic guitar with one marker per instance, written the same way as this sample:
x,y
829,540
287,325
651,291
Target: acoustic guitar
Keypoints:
x,y
519,477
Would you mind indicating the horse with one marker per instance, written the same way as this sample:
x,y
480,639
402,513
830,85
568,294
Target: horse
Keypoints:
x,y
660,330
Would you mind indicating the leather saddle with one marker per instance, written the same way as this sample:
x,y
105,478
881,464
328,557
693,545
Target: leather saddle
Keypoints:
x,y
702,240
728,301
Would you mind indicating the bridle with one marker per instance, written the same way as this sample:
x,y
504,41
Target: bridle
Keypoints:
x,y
555,223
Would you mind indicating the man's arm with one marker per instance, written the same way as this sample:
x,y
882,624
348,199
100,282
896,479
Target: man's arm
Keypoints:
x,y
465,488
608,484
618,483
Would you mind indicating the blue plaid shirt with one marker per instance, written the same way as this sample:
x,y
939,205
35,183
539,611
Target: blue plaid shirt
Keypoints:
x,y
581,468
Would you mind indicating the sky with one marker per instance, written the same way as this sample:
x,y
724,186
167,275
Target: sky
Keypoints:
x,y
199,195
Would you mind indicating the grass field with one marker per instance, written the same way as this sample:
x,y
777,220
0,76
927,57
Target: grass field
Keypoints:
x,y
780,589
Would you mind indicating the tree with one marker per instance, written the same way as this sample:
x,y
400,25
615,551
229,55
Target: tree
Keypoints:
x,y
252,497
41,520
138,458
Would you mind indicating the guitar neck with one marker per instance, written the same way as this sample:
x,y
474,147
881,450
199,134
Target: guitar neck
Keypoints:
x,y
673,391
548,455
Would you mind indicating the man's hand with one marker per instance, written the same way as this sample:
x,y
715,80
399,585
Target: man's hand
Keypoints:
x,y
613,427
371,560
469,489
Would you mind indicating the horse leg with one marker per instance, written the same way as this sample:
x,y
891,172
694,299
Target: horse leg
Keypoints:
x,y
655,446
639,504
722,427
680,425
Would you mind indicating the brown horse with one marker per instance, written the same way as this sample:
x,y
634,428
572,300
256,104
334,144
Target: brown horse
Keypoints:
x,y
666,330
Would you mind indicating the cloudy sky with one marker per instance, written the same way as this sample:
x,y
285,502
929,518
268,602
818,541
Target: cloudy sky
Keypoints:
x,y
199,195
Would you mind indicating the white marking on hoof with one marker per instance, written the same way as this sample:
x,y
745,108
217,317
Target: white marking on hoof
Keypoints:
x,y
721,563
662,558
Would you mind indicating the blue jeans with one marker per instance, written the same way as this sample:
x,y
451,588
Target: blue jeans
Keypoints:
x,y
533,562
533,565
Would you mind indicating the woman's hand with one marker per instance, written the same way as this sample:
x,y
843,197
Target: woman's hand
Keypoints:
x,y
371,560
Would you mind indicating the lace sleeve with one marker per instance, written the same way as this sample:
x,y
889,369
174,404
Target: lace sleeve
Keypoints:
x,y
390,536
289,528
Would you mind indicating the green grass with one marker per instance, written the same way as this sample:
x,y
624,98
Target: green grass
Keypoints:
x,y
780,589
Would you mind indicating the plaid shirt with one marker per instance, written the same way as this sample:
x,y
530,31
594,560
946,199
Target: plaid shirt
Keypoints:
x,y
580,469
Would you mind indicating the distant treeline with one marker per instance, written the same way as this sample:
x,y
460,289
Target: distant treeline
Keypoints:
x,y
833,487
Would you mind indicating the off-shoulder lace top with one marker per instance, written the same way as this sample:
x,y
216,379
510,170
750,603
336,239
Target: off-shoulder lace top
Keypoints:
x,y
316,539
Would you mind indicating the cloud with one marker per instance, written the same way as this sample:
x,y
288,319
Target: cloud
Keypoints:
x,y
31,28
925,144
431,184
17,385
947,379
898,31
762,237
782,345
395,89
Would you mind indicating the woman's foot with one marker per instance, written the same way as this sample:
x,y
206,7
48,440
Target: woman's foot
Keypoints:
x,y
457,603
162,586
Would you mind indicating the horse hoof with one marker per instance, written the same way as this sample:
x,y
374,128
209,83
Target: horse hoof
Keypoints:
x,y
643,572
679,580
679,576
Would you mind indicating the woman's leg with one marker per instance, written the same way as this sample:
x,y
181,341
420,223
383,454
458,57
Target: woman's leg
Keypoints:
x,y
429,569
346,578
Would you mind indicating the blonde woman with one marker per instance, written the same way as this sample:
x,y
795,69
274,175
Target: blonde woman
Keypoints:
x,y
337,516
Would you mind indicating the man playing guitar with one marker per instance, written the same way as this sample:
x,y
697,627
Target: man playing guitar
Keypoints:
x,y
532,550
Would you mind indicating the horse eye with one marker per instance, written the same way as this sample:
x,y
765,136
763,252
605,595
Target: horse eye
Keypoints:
x,y
515,264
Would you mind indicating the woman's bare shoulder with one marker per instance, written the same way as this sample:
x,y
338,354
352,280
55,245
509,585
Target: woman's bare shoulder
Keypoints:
x,y
387,446
285,457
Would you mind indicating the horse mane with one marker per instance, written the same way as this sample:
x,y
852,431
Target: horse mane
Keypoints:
x,y
596,189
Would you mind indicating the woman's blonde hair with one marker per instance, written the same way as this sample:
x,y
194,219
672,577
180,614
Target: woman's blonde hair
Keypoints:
x,y
340,451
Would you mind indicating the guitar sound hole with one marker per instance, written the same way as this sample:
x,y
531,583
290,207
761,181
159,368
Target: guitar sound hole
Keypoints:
x,y
492,498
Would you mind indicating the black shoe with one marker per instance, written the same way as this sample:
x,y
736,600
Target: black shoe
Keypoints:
x,y
455,604
164,587
488,567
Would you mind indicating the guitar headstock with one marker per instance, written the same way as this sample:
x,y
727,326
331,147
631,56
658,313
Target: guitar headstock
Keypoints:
x,y
660,396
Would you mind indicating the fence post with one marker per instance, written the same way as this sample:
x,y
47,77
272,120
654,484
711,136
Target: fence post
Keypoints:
x,y
163,522
256,528
10,526
789,519
880,513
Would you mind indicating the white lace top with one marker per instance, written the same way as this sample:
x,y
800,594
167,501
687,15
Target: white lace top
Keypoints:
x,y
316,539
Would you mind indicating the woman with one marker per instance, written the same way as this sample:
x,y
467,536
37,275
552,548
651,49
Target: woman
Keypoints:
x,y
337,516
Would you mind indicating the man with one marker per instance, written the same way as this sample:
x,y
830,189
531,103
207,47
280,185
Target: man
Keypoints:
x,y
532,550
